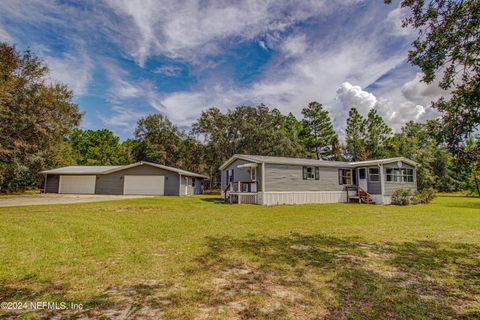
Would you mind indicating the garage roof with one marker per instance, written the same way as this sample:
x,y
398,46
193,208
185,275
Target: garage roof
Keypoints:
x,y
81,170
111,169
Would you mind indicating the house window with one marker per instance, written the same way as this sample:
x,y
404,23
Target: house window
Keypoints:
x,y
361,173
374,174
253,174
345,176
399,175
310,173
193,182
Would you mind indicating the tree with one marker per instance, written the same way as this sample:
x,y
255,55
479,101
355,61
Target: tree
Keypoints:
x,y
35,118
96,148
158,140
128,150
448,46
355,136
469,161
377,135
249,130
318,133
417,141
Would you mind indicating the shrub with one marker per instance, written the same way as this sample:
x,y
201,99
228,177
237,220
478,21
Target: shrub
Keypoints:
x,y
402,196
424,197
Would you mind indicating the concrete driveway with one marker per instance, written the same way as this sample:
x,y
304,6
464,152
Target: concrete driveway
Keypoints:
x,y
51,198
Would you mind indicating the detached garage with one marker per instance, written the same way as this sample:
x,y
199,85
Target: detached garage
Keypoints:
x,y
141,178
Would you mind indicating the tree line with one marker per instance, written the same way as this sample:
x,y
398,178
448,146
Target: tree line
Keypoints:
x,y
39,121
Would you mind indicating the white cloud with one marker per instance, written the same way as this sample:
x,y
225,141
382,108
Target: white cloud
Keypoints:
x,y
4,35
193,29
414,104
122,117
294,46
419,92
395,17
74,71
353,96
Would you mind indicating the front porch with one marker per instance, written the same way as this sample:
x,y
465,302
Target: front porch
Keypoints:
x,y
241,192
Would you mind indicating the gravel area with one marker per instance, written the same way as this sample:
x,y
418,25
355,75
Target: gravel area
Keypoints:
x,y
42,199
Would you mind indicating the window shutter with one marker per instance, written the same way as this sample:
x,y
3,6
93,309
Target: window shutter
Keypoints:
x,y
340,174
304,173
317,173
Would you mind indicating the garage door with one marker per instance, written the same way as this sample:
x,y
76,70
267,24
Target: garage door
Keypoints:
x,y
150,185
77,184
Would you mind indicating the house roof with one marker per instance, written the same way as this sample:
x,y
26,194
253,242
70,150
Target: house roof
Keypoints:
x,y
111,169
313,162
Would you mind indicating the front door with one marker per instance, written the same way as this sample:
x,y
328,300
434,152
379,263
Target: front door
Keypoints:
x,y
362,178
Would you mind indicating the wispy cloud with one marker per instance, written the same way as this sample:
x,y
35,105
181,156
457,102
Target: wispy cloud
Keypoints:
x,y
192,29
72,70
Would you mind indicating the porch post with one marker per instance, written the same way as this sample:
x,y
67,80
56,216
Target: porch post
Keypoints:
x,y
263,183
382,183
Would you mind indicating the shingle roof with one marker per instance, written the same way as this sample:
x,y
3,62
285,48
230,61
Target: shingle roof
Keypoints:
x,y
111,169
312,162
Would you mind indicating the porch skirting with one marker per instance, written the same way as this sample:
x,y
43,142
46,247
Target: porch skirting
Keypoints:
x,y
381,199
300,197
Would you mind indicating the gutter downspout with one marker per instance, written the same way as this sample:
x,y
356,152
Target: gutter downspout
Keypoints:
x,y
45,186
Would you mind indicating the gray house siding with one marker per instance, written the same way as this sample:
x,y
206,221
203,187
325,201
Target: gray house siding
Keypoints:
x,y
390,186
280,177
242,174
52,183
113,183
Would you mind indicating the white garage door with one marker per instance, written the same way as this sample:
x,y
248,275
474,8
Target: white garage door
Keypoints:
x,y
77,184
150,185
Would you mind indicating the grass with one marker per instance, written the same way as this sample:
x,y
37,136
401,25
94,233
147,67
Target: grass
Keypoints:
x,y
196,257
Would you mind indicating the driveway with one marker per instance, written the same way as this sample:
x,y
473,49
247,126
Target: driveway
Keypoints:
x,y
51,198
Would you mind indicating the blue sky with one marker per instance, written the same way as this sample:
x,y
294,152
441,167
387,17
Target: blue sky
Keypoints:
x,y
126,59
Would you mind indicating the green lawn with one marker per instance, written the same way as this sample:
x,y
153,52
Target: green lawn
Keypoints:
x,y
196,257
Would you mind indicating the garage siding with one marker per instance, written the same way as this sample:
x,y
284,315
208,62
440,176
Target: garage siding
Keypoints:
x,y
53,181
113,183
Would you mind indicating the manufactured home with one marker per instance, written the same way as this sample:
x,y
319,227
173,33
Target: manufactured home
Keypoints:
x,y
279,180
141,178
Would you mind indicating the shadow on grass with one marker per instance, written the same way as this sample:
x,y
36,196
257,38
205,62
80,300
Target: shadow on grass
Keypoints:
x,y
301,277
218,200
323,277
471,205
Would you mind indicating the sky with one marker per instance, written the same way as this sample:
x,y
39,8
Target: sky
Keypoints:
x,y
125,59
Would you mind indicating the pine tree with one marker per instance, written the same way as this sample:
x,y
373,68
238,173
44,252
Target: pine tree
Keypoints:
x,y
317,132
355,137
377,135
